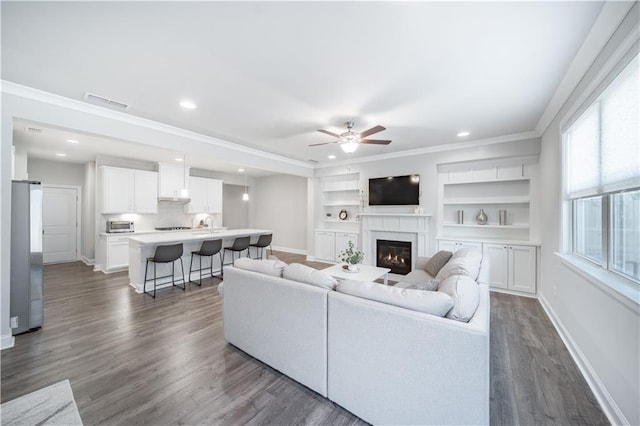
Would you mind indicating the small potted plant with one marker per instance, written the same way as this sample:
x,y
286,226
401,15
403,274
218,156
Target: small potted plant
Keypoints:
x,y
352,256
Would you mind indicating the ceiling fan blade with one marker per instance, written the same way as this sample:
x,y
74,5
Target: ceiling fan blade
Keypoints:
x,y
376,141
371,131
326,132
323,143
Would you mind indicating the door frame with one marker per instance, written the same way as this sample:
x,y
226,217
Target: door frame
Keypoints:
x,y
78,213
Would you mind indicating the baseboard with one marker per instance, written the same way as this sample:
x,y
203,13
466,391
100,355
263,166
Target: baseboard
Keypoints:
x,y
86,261
7,341
607,403
290,250
514,293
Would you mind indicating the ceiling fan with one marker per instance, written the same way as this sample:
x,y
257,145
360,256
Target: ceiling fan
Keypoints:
x,y
350,140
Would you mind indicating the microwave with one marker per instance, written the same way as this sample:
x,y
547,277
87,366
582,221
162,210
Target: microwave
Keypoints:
x,y
116,226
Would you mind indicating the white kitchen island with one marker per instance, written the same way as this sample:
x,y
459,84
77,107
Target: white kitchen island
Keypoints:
x,y
143,246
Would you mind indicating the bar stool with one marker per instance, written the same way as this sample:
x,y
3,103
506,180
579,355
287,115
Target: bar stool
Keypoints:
x,y
240,244
164,254
263,241
208,249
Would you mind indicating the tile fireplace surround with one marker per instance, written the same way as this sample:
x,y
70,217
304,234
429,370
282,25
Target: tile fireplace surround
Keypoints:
x,y
413,228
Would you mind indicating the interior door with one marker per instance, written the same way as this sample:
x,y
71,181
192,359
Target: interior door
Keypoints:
x,y
59,224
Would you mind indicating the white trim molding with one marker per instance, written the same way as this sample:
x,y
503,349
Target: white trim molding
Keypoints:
x,y
290,250
7,341
607,403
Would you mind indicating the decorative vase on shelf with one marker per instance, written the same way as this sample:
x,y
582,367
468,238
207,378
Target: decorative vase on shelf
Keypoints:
x,y
481,217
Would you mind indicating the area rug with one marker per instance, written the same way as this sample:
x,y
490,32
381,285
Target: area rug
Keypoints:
x,y
53,405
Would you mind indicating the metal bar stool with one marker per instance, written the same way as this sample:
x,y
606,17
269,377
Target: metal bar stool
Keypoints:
x,y
164,254
263,241
208,249
240,244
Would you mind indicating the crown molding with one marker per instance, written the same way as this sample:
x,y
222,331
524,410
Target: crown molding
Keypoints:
x,y
438,148
607,22
11,88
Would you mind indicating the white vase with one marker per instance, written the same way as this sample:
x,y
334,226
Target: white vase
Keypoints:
x,y
353,268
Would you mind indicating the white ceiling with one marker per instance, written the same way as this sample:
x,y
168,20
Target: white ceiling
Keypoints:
x,y
268,75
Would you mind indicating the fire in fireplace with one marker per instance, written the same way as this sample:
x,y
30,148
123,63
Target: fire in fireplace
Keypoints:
x,y
395,255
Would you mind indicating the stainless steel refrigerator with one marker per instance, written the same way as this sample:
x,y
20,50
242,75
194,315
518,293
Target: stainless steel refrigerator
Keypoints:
x,y
26,256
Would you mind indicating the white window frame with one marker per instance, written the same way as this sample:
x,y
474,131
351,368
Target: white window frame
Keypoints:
x,y
620,286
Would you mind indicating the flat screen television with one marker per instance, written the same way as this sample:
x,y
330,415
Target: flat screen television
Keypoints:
x,y
395,191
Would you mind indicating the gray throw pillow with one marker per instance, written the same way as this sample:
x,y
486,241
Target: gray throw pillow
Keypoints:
x,y
430,285
437,262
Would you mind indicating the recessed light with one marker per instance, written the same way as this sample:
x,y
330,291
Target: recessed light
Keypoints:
x,y
331,157
462,134
60,154
186,104
72,141
241,170
179,159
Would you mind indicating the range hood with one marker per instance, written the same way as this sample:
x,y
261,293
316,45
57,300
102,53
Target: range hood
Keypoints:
x,y
174,200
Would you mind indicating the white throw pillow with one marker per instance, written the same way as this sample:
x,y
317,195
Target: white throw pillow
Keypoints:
x,y
465,261
465,293
308,275
268,267
430,302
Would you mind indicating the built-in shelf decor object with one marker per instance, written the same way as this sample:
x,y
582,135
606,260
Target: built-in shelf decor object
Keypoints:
x,y
481,217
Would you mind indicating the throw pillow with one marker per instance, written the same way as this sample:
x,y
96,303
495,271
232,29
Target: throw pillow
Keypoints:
x,y
430,302
436,263
465,261
465,293
268,267
308,275
430,285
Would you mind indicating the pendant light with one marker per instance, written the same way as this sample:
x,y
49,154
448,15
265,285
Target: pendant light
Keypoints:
x,y
245,196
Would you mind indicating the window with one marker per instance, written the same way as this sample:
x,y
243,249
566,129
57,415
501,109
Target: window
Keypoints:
x,y
603,177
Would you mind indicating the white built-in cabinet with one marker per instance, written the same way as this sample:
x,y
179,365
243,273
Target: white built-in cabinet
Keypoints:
x,y
329,244
492,185
512,267
342,242
205,194
173,178
129,190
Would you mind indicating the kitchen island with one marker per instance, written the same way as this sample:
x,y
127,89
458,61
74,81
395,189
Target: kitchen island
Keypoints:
x,y
143,246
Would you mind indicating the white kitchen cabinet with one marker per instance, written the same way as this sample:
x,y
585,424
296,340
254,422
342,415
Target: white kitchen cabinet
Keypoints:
x,y
205,194
172,179
145,192
117,253
512,267
117,190
325,245
453,245
129,191
342,242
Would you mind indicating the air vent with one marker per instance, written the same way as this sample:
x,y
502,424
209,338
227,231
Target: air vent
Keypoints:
x,y
313,161
31,129
101,100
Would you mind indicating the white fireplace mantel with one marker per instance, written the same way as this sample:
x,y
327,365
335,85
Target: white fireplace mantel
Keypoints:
x,y
394,226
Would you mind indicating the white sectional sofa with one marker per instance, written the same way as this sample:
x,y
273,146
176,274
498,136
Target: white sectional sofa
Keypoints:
x,y
386,364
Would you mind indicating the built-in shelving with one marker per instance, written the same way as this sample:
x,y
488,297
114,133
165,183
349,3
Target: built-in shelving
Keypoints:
x,y
457,225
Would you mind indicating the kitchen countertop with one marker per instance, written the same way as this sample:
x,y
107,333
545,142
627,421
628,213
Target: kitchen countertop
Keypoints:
x,y
192,235
156,231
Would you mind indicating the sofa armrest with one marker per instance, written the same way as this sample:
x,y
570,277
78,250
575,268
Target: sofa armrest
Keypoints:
x,y
421,262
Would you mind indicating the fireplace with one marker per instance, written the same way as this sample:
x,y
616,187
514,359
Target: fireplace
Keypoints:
x,y
395,255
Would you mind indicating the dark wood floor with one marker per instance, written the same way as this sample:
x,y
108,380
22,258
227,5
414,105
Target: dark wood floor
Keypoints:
x,y
135,360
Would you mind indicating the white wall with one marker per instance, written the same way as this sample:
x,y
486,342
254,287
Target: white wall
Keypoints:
x,y
600,329
279,203
235,211
425,165
20,163
51,172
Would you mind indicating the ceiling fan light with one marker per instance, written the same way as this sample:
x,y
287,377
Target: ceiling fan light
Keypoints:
x,y
349,147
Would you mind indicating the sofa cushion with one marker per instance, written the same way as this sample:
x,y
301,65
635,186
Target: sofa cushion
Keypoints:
x,y
426,285
465,293
268,267
308,275
430,302
417,276
465,261
436,263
